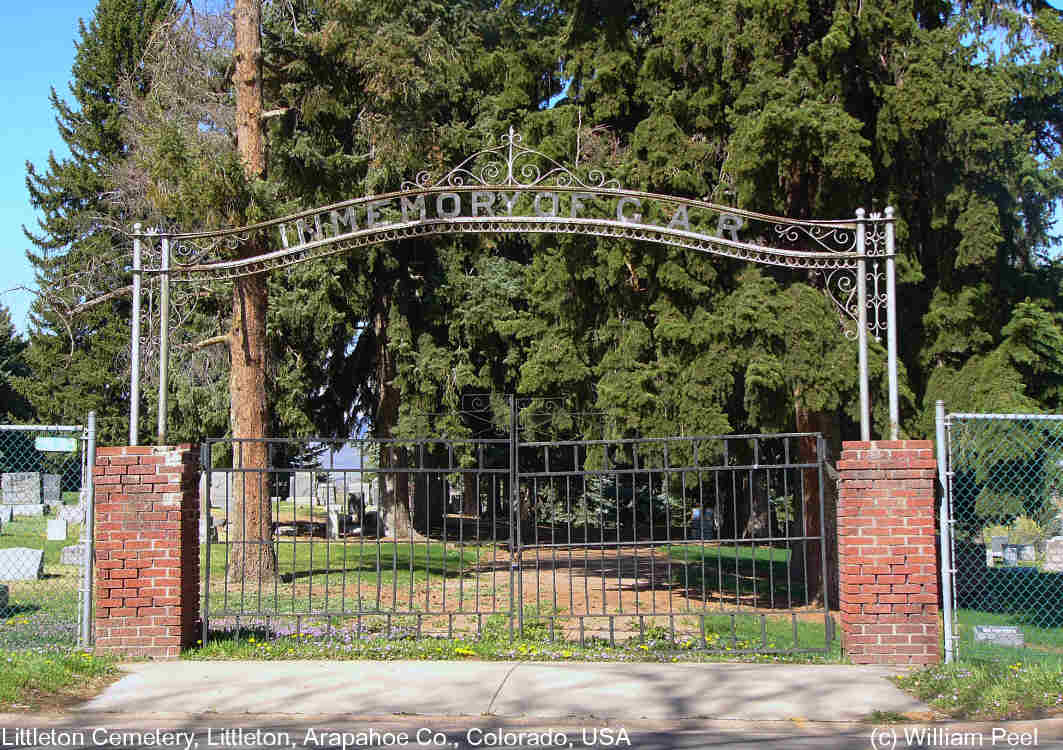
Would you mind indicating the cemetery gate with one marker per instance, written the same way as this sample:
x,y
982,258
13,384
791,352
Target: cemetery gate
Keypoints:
x,y
46,535
1002,540
700,542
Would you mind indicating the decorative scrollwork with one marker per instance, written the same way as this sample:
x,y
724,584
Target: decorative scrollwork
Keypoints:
x,y
840,288
877,301
839,239
875,237
185,251
544,225
512,165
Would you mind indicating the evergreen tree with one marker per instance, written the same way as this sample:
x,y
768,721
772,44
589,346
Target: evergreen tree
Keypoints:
x,y
13,406
77,360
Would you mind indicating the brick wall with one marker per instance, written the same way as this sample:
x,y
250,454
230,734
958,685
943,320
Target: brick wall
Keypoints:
x,y
887,552
146,550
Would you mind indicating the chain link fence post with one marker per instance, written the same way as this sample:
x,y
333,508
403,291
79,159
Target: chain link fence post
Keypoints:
x,y
45,535
1004,496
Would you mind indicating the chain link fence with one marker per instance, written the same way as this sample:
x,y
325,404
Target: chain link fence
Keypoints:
x,y
1005,505
45,535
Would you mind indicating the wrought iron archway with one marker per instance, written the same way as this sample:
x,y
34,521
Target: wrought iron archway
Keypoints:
x,y
510,188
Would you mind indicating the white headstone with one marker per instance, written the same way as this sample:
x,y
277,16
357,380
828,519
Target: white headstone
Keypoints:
x,y
21,488
1011,554
221,488
21,564
27,510
71,513
1053,555
5,514
999,635
72,555
56,530
208,531
301,488
337,524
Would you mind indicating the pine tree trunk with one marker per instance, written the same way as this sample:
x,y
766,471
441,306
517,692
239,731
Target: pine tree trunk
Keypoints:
x,y
809,421
394,487
815,585
251,528
470,501
252,556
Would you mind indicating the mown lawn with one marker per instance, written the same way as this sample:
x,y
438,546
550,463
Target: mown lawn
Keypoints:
x,y
772,574
42,612
1042,645
50,677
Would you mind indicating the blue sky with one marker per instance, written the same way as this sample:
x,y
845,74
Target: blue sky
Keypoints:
x,y
37,53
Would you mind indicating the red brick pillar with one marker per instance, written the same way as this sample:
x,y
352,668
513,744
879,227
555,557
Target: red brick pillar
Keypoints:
x,y
887,551
146,550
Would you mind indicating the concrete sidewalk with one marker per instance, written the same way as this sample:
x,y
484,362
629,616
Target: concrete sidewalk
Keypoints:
x,y
660,692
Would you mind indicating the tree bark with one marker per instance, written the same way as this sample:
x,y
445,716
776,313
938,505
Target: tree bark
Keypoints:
x,y
809,421
394,487
252,557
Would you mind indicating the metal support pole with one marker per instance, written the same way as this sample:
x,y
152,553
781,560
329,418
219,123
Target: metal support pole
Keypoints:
x,y
946,531
861,324
88,482
516,517
134,376
164,339
891,326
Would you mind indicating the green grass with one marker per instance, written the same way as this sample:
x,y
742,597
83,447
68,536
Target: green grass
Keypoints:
x,y
340,561
28,678
326,576
743,570
41,612
1043,645
537,642
32,532
990,691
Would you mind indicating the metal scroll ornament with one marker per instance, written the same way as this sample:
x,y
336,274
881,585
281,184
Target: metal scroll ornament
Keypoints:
x,y
511,164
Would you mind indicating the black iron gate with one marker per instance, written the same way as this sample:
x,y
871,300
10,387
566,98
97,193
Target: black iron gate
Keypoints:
x,y
712,542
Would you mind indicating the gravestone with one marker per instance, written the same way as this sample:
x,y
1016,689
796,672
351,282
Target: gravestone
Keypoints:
x,y
999,635
301,488
73,555
71,513
1053,555
1011,555
21,488
21,564
208,530
221,489
3,601
372,524
995,550
702,524
27,510
50,494
338,524
5,514
355,503
1027,553
57,529
325,495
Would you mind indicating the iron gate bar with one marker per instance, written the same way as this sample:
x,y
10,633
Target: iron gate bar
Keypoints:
x,y
528,487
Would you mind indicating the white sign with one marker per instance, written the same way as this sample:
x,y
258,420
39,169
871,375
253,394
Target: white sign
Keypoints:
x,y
55,444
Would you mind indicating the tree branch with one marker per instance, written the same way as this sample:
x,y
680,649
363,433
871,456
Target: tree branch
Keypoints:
x,y
99,300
